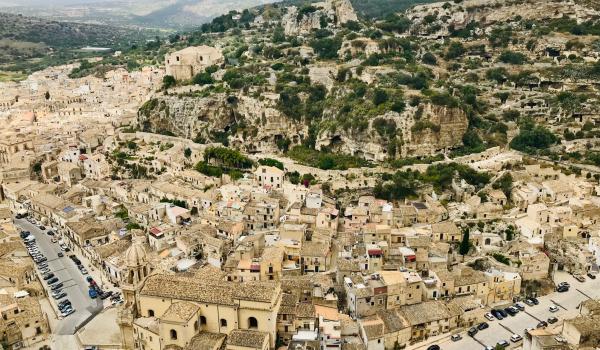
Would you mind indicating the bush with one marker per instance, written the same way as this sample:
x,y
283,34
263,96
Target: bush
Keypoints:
x,y
380,97
271,162
327,48
429,58
512,57
325,160
227,157
168,81
455,50
531,140
203,79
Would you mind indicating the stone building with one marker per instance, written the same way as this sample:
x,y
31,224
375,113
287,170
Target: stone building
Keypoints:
x,y
186,63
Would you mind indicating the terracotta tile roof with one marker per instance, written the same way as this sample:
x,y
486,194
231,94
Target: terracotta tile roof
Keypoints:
x,y
305,310
425,312
206,341
195,289
180,311
247,338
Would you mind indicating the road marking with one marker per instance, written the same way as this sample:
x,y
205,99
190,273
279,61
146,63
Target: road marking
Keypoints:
x,y
557,304
508,329
477,340
585,295
525,311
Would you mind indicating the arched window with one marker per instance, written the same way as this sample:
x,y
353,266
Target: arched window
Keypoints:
x,y
202,320
150,313
173,334
252,323
223,322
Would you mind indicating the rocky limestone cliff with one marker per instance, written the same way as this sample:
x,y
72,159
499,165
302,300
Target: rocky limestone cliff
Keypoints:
x,y
488,12
337,12
246,123
420,133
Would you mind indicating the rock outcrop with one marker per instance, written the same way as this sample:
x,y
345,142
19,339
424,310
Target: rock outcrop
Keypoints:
x,y
303,21
243,122
419,133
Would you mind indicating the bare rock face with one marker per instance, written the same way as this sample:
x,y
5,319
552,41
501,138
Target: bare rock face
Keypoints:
x,y
337,12
488,12
294,24
244,122
437,129
419,133
343,9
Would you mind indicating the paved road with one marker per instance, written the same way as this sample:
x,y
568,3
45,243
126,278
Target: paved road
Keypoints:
x,y
75,284
502,330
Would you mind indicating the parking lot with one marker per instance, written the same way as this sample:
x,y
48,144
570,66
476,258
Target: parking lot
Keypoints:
x,y
498,330
74,282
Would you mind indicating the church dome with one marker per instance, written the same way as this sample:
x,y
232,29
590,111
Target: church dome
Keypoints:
x,y
136,255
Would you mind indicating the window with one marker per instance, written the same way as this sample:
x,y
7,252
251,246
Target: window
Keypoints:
x,y
223,322
173,334
202,320
150,313
252,323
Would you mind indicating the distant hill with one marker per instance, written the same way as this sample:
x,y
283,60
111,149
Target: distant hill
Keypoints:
x,y
382,8
24,38
190,13
371,8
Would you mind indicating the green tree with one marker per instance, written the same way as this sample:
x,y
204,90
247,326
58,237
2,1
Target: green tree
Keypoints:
x,y
380,96
455,50
465,245
203,79
187,152
168,81
429,58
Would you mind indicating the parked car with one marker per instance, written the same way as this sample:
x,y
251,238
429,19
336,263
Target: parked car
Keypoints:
x,y
511,311
497,314
580,278
60,254
542,324
57,286
489,316
64,303
48,276
83,271
42,227
553,308
52,280
67,312
456,337
566,284
105,295
92,293
562,289
472,331
482,326
60,295
515,338
591,276
50,233
433,347
75,259
535,301
520,306
552,320
503,313
503,343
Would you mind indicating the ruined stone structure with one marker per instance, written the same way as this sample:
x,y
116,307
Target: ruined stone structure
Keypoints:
x,y
186,63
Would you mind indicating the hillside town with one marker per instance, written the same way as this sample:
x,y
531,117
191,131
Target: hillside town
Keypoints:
x,y
179,206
